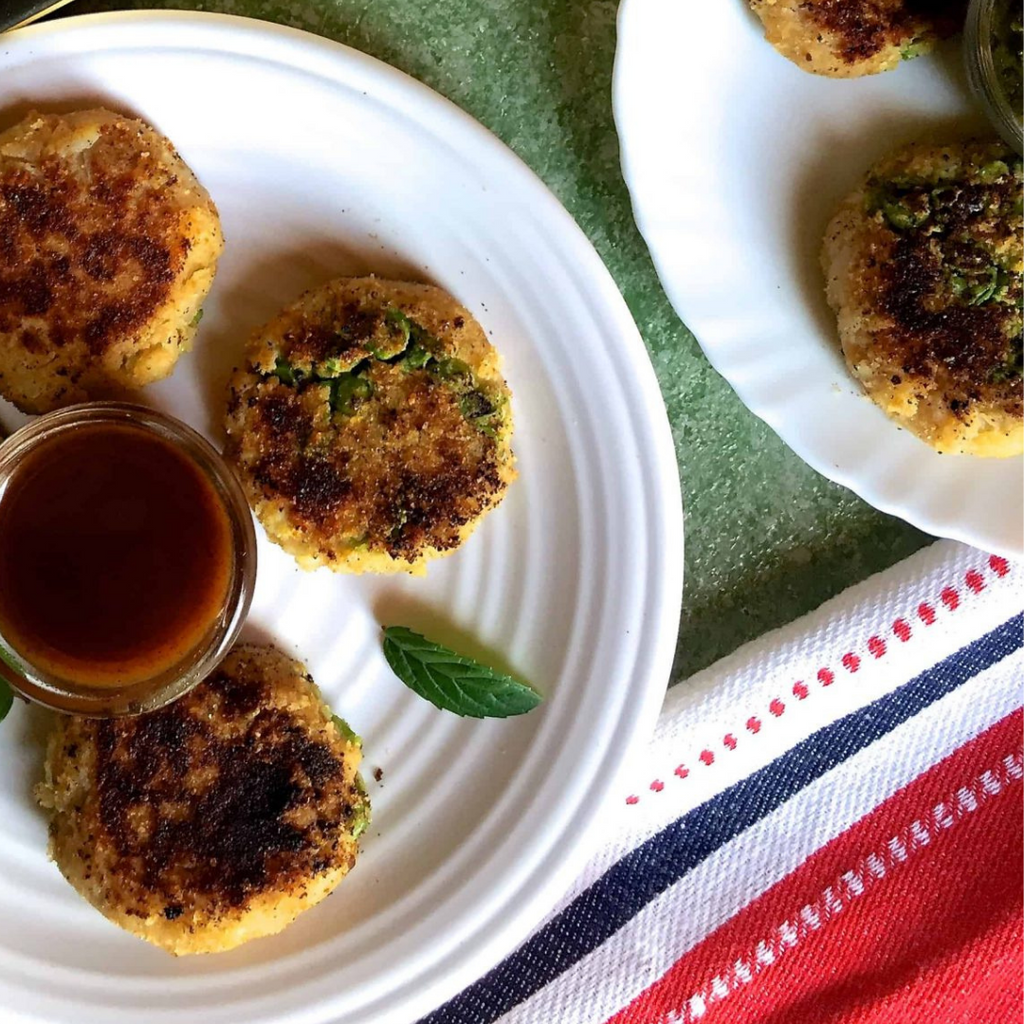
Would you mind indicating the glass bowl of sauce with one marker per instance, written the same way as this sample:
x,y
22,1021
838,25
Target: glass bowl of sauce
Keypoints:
x,y
994,55
127,559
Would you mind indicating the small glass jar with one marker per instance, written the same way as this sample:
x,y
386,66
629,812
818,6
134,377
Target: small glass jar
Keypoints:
x,y
146,693
988,52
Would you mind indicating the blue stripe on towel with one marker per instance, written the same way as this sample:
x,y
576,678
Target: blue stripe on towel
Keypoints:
x,y
646,872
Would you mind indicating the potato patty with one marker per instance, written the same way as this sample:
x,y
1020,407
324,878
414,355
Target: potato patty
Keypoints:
x,y
215,820
371,426
108,247
848,38
924,271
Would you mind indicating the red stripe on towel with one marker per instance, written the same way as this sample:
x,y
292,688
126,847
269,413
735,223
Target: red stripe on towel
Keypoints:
x,y
912,915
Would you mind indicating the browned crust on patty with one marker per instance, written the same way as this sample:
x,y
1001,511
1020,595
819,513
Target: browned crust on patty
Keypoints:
x,y
862,28
98,220
409,478
924,268
930,337
189,819
848,38
60,243
404,475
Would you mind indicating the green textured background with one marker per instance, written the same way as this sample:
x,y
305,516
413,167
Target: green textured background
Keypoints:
x,y
767,538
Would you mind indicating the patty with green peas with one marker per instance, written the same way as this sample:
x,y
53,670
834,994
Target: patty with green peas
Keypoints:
x,y
924,271
371,426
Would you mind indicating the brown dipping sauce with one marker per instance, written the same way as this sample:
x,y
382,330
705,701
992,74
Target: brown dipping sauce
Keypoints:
x,y
115,556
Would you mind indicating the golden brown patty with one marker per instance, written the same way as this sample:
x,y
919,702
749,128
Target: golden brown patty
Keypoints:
x,y
371,426
848,38
108,247
923,264
215,820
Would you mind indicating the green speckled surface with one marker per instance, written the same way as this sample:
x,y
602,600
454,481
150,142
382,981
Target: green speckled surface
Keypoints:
x,y
767,538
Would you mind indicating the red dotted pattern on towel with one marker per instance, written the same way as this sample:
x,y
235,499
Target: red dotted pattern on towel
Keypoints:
x,y
999,565
950,599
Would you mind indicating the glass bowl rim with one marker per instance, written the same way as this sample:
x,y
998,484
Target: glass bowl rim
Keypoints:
x,y
146,695
981,74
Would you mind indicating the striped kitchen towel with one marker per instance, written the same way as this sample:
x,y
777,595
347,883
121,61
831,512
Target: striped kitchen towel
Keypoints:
x,y
827,827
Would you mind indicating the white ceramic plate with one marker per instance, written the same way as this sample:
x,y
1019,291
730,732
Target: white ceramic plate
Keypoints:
x,y
735,161
325,162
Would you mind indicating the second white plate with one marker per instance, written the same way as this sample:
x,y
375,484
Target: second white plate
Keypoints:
x,y
735,161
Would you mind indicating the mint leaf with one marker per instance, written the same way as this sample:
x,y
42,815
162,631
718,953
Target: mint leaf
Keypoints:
x,y
6,699
452,681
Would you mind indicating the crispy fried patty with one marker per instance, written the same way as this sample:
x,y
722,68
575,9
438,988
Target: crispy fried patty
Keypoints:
x,y
108,247
924,265
848,38
215,820
371,426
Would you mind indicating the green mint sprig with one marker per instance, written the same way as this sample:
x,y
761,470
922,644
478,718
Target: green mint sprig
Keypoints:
x,y
452,681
